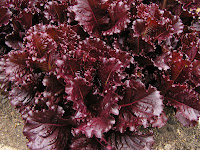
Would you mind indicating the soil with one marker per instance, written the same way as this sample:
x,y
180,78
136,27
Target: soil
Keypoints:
x,y
11,126
173,136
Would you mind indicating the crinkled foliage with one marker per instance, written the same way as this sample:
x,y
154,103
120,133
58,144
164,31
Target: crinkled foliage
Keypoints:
x,y
97,16
46,129
139,106
90,74
5,16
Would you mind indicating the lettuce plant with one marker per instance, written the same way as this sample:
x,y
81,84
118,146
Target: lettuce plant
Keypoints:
x,y
89,74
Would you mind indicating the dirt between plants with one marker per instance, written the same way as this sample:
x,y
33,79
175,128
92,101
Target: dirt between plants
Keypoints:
x,y
173,136
11,126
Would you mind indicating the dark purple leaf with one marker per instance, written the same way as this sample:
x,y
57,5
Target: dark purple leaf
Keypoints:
x,y
64,36
17,27
165,84
55,11
171,43
155,24
189,5
162,61
190,116
13,67
123,56
5,14
135,45
176,23
197,55
16,75
96,126
190,45
23,97
130,141
25,19
20,4
14,41
147,32
3,3
186,102
94,48
53,88
119,17
46,43
39,43
80,31
68,68
109,72
47,130
177,66
81,142
139,26
143,61
91,14
101,16
195,73
139,106
139,46
103,122
77,90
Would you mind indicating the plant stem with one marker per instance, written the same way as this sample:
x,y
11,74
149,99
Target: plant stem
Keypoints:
x,y
164,4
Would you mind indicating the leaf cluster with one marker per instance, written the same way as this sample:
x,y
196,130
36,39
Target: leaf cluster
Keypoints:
x,y
88,74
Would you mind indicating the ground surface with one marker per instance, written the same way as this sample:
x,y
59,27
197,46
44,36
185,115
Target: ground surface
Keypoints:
x,y
11,127
173,136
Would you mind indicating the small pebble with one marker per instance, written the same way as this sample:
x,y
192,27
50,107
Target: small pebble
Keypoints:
x,y
167,147
169,128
